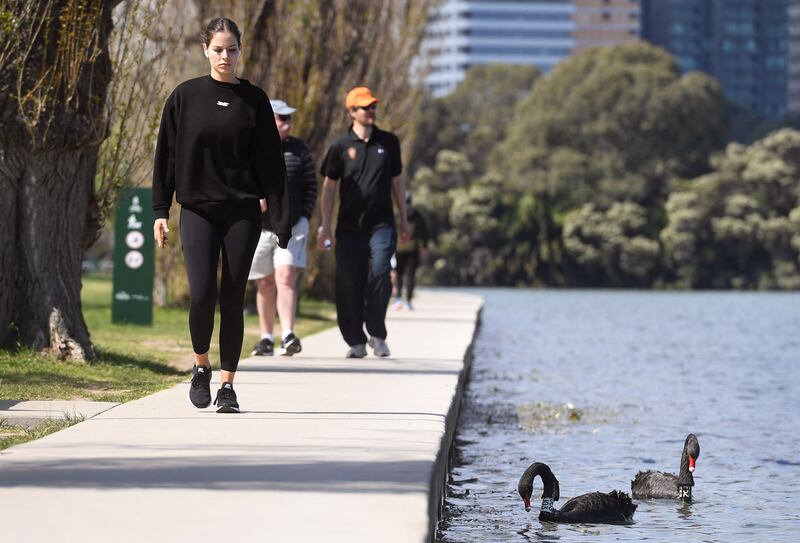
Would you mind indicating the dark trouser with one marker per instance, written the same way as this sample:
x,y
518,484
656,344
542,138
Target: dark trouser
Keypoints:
x,y
233,227
363,285
407,264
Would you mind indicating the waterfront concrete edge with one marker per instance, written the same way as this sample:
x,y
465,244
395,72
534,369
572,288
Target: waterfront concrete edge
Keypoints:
x,y
441,468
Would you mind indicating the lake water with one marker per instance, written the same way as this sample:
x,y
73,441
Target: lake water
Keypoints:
x,y
601,384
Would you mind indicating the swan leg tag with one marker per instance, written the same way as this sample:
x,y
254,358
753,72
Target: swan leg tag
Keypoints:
x,y
547,506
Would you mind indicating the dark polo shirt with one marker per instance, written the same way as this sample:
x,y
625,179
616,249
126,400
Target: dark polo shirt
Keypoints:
x,y
364,170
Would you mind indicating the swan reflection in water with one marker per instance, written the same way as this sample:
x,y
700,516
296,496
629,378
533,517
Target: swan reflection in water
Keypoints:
x,y
684,510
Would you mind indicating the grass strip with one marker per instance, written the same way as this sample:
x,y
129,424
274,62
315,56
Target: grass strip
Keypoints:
x,y
11,434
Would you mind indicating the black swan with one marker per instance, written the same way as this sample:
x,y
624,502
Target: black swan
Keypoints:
x,y
656,484
592,508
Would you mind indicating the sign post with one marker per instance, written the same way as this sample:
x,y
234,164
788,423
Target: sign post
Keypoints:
x,y
134,262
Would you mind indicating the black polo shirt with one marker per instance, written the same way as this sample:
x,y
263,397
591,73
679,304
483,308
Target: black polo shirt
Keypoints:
x,y
364,170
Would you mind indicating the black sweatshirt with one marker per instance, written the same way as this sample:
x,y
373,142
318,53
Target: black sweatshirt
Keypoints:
x,y
302,179
218,142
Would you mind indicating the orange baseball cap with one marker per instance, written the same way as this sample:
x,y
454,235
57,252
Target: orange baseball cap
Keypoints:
x,y
360,97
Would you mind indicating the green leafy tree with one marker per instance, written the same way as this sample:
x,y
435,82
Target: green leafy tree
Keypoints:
x,y
739,226
475,116
468,222
609,125
610,248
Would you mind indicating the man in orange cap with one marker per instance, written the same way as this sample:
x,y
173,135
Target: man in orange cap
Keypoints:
x,y
365,163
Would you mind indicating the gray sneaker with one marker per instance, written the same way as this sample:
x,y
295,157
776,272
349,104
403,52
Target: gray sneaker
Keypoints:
x,y
357,351
379,347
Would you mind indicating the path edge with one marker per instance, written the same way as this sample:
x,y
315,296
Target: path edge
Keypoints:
x,y
441,467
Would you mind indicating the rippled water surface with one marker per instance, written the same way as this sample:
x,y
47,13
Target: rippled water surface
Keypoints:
x,y
600,384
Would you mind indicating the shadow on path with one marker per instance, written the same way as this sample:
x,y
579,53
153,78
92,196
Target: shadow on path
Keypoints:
x,y
225,473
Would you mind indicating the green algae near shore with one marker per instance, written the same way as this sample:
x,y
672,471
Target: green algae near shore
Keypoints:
x,y
552,417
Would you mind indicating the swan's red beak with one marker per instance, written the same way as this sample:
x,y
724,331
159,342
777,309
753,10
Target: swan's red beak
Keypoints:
x,y
527,504
691,463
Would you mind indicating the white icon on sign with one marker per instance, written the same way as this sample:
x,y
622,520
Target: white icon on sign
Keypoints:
x,y
122,296
134,239
136,207
134,259
133,223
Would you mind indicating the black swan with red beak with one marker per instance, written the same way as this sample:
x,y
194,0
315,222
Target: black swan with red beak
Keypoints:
x,y
658,485
592,508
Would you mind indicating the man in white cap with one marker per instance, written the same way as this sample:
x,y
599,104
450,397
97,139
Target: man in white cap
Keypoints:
x,y
274,269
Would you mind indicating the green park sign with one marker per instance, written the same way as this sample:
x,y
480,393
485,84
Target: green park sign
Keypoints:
x,y
133,259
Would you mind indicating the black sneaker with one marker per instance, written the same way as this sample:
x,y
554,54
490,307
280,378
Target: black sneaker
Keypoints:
x,y
200,389
265,347
290,345
226,399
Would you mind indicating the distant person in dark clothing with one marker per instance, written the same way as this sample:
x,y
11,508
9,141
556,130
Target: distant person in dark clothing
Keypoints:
x,y
365,163
409,254
218,152
275,270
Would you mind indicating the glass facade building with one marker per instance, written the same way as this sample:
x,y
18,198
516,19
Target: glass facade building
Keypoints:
x,y
462,33
744,44
541,33
794,57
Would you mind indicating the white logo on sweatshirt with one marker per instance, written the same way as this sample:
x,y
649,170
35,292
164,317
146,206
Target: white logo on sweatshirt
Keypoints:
x,y
223,104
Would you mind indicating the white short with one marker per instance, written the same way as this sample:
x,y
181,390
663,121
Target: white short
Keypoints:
x,y
269,256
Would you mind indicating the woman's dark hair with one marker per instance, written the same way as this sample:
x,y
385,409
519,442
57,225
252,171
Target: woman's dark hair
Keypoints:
x,y
220,24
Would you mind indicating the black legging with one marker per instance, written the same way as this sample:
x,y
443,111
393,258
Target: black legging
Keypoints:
x,y
407,264
206,228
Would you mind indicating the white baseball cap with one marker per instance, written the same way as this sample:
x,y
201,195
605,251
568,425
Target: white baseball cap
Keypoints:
x,y
281,108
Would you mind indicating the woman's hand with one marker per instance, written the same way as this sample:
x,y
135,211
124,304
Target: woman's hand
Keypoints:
x,y
160,229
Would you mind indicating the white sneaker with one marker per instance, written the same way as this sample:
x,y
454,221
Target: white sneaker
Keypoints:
x,y
379,347
357,351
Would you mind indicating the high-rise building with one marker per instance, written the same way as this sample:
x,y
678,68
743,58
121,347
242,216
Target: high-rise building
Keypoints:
x,y
683,27
601,23
541,33
463,33
742,43
794,58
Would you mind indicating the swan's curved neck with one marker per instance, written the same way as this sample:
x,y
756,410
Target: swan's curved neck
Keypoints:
x,y
548,479
691,450
685,477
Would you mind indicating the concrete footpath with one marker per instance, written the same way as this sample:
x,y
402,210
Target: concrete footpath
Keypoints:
x,y
325,449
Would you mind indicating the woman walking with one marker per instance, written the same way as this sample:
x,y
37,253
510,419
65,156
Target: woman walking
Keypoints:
x,y
219,152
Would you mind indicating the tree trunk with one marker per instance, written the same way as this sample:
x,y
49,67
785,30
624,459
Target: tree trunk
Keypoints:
x,y
44,242
9,183
47,170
